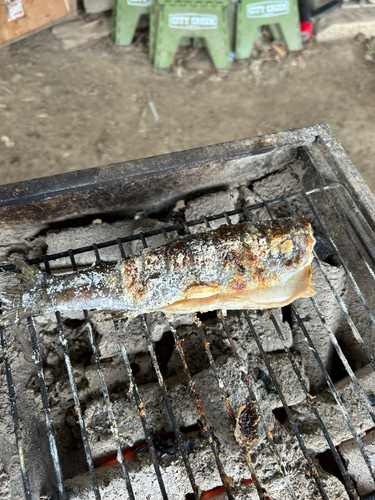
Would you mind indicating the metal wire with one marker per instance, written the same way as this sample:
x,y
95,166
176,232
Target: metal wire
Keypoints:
x,y
299,437
333,338
306,196
245,377
232,418
77,403
172,418
254,395
181,444
174,227
342,408
114,429
142,412
13,407
353,282
47,412
225,479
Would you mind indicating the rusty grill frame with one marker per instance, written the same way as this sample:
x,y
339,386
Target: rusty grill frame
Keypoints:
x,y
358,228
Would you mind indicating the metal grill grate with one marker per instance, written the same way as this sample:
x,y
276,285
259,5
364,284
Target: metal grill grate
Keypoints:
x,y
334,212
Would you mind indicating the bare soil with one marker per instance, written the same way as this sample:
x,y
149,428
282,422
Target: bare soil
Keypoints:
x,y
63,110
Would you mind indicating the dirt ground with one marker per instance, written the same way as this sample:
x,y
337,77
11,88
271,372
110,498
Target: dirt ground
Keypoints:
x,y
63,110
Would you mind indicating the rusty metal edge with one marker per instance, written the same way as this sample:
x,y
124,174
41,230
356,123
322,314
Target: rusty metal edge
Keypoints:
x,y
98,177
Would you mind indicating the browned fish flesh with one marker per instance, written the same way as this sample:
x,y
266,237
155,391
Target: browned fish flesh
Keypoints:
x,y
251,265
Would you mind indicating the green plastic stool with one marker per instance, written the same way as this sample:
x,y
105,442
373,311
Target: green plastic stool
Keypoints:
x,y
155,9
252,14
126,17
173,20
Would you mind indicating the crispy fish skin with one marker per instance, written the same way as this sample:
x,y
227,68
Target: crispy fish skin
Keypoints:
x,y
220,268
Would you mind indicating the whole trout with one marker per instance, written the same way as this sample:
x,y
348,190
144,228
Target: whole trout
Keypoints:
x,y
251,265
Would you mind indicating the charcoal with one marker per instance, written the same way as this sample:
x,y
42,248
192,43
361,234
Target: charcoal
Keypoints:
x,y
285,376
333,315
240,331
356,464
76,237
211,204
332,415
273,422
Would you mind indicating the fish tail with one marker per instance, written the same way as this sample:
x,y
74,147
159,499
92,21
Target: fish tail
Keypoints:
x,y
13,308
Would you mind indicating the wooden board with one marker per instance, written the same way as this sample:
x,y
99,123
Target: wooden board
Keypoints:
x,y
39,14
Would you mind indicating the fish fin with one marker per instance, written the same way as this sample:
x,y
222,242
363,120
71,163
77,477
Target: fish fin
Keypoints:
x,y
11,296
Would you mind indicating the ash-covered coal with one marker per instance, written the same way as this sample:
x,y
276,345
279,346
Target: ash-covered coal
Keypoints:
x,y
291,179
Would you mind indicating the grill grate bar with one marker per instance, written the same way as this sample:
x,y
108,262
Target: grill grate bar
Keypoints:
x,y
342,408
225,479
13,406
142,415
341,303
332,336
343,359
114,429
354,215
181,444
174,227
232,418
305,389
140,406
335,393
310,400
299,437
46,409
345,227
245,377
342,262
77,403
77,406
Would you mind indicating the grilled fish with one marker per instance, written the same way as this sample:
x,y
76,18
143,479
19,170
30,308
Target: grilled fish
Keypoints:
x,y
251,265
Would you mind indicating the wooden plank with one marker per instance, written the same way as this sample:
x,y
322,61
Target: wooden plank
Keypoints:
x,y
39,15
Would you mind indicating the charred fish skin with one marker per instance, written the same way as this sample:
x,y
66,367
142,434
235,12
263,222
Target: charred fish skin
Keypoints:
x,y
231,259
224,262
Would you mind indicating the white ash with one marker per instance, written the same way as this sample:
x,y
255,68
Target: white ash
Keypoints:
x,y
133,333
211,204
144,482
332,415
356,464
143,478
285,376
366,328
240,331
333,315
302,482
76,237
21,243
151,241
288,180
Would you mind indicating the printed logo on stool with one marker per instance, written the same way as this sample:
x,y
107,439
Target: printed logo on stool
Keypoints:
x,y
193,21
269,8
140,3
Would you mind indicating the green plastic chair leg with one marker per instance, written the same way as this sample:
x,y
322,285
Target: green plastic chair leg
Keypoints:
x,y
245,40
127,17
292,37
218,48
275,32
279,15
215,38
